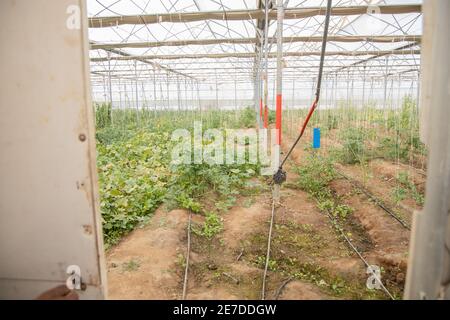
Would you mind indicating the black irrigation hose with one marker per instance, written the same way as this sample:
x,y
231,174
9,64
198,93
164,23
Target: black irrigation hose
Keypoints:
x,y
375,199
360,256
319,81
186,270
269,238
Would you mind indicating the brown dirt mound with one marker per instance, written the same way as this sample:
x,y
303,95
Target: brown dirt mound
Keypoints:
x,y
143,265
240,222
389,237
297,290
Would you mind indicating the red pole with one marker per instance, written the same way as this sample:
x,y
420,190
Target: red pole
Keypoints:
x,y
266,117
279,87
278,118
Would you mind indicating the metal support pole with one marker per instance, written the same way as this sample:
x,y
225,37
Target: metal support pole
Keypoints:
x,y
428,275
109,79
185,95
192,96
161,95
364,87
399,95
178,93
385,85
198,98
348,89
154,87
136,89
136,86
279,87
235,94
293,94
266,65
144,98
416,111
120,95
217,91
256,93
167,91
125,94
335,88
104,89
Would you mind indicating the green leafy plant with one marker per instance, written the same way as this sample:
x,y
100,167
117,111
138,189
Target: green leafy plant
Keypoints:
x,y
102,115
353,149
131,265
133,181
407,188
213,225
315,175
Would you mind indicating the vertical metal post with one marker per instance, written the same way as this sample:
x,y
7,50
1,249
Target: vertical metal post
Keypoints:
x,y
416,111
125,93
266,65
428,275
104,89
293,94
217,91
154,88
136,89
161,94
279,88
335,88
167,91
198,97
136,85
348,89
385,85
144,97
120,95
191,105
391,102
109,79
110,85
399,94
257,88
235,94
185,95
178,93
364,87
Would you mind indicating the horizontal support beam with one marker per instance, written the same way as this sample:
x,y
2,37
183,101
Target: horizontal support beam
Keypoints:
x,y
152,63
173,43
251,55
289,13
250,67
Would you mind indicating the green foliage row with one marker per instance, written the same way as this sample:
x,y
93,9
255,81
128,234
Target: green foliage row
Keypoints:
x,y
136,176
315,174
133,178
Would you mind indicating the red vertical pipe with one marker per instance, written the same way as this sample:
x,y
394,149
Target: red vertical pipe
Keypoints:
x,y
278,118
266,117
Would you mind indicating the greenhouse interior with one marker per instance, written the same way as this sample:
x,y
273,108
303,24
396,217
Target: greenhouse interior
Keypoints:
x,y
254,150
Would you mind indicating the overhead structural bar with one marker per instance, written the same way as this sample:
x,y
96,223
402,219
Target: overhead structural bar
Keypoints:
x,y
289,13
251,55
336,38
155,65
361,62
287,68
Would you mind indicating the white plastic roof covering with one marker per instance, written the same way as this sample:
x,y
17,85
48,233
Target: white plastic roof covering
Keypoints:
x,y
241,68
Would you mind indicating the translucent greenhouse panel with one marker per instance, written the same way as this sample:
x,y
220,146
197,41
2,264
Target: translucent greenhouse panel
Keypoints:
x,y
49,214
